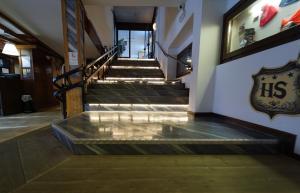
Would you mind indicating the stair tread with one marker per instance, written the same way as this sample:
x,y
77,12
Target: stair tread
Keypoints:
x,y
135,73
136,86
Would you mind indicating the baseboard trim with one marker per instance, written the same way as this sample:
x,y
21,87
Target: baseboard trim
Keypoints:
x,y
287,140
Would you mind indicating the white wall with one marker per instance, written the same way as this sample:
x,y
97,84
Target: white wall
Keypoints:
x,y
225,89
201,26
234,83
202,91
102,19
170,34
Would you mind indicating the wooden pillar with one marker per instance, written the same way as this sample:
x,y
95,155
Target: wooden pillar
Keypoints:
x,y
73,30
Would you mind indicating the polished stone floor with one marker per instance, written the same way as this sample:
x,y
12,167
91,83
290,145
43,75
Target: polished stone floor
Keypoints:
x,y
170,174
136,107
148,133
15,125
154,127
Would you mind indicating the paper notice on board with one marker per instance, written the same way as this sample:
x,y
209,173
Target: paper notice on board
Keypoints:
x,y
73,58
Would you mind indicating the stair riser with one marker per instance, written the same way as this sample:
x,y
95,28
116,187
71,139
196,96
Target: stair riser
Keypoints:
x,y
137,100
135,63
135,73
137,92
167,148
141,108
137,86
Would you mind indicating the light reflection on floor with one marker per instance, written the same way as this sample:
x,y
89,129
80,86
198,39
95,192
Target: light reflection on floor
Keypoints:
x,y
151,126
138,117
15,125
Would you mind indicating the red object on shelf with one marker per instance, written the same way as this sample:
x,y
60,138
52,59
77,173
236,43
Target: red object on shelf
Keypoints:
x,y
294,18
269,12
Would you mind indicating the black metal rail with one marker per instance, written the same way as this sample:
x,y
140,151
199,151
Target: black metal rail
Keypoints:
x,y
172,57
69,80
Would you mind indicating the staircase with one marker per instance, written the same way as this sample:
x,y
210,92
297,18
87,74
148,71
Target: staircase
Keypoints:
x,y
134,111
136,85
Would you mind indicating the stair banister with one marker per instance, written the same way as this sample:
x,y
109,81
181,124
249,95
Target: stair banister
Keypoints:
x,y
64,83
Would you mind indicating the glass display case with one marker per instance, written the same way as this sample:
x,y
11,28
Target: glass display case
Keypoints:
x,y
255,25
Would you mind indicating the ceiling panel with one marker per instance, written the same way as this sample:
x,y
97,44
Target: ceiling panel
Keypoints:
x,y
133,2
131,14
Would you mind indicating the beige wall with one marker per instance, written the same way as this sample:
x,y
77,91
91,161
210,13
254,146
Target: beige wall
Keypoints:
x,y
102,19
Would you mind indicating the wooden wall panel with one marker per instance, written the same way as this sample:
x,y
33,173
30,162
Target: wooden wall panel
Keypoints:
x,y
40,87
73,16
43,75
10,95
74,96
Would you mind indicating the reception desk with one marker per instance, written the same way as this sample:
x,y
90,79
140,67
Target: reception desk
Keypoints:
x,y
10,94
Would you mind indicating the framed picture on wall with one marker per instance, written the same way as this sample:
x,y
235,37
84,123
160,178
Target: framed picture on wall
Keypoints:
x,y
252,26
26,67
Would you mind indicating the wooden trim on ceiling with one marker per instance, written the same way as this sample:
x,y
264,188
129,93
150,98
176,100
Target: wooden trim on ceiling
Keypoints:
x,y
30,38
11,40
26,46
21,37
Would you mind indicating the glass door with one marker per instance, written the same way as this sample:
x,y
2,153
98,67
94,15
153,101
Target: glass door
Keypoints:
x,y
137,49
135,44
124,43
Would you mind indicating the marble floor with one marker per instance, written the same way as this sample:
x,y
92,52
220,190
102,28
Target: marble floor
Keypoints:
x,y
154,127
147,133
15,125
136,107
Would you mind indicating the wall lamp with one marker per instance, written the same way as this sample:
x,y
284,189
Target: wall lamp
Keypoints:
x,y
10,49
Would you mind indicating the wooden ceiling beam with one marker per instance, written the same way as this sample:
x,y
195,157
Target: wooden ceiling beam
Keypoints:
x,y
9,39
91,31
26,46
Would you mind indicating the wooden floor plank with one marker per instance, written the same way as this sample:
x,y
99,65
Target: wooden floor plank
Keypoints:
x,y
171,174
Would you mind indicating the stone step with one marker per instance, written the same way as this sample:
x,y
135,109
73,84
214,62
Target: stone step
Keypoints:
x,y
144,63
136,133
109,99
156,85
137,92
134,73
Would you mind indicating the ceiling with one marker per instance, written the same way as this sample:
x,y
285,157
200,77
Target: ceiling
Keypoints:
x,y
132,14
43,17
154,3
